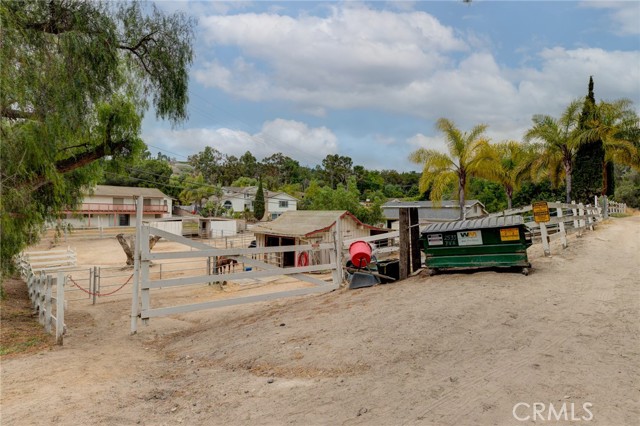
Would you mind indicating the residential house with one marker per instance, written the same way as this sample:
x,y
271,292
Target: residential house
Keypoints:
x,y
430,212
106,206
305,227
238,199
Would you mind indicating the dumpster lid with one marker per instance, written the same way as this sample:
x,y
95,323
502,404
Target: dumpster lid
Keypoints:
x,y
486,222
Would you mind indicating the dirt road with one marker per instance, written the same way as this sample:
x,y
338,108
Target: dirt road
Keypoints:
x,y
484,348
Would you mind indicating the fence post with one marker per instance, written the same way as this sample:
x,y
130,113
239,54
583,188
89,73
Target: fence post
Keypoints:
x,y
606,207
42,284
47,305
545,239
95,283
136,268
582,222
563,233
144,271
405,243
416,258
60,307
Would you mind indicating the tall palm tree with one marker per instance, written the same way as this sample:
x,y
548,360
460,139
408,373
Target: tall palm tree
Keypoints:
x,y
617,125
512,166
559,139
469,155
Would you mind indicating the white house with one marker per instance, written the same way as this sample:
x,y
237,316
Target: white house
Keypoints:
x,y
240,198
106,206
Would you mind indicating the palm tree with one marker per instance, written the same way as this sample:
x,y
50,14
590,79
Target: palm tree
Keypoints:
x,y
469,155
560,139
617,125
512,166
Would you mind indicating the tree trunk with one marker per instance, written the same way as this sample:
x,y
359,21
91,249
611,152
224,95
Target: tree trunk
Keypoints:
x,y
128,245
509,192
463,210
567,180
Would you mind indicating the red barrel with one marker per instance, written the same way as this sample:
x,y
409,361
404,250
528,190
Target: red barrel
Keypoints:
x,y
360,252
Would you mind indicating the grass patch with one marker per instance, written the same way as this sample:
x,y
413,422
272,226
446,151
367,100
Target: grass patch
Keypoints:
x,y
21,333
619,215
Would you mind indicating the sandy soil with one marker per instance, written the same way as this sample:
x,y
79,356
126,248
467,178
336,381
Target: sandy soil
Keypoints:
x,y
454,349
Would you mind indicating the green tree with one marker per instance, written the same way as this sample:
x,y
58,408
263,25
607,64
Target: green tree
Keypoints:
x,y
560,139
208,162
75,79
259,205
195,189
512,166
469,156
589,170
616,126
337,169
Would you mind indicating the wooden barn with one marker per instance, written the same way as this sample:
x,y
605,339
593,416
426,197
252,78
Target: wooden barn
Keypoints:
x,y
304,227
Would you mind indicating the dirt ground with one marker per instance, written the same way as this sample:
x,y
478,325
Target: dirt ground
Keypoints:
x,y
453,349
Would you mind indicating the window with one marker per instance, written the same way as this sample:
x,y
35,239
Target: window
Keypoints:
x,y
283,204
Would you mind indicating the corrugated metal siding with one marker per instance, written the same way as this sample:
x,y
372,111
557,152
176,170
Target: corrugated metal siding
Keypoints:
x,y
487,222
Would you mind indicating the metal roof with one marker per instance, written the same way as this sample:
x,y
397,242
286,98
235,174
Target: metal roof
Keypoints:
x,y
301,223
487,222
447,204
127,191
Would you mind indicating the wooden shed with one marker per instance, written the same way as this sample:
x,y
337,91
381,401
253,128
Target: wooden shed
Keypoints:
x,y
303,227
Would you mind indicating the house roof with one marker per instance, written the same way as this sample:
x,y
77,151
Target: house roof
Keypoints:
x,y
252,190
446,204
304,223
446,210
127,191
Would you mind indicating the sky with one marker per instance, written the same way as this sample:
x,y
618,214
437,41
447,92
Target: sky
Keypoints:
x,y
369,80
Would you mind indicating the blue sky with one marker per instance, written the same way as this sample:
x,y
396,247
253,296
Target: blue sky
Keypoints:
x,y
369,79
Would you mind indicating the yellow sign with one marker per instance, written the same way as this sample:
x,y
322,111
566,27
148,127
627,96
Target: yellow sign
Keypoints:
x,y
541,211
509,234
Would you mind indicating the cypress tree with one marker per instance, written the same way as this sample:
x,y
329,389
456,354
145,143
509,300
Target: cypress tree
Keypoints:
x,y
589,166
258,205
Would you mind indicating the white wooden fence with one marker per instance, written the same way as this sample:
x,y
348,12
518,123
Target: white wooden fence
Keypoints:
x,y
48,304
254,257
46,261
565,219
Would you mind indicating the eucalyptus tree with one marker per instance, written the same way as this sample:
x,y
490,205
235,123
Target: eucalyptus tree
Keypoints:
x,y
469,155
559,139
75,80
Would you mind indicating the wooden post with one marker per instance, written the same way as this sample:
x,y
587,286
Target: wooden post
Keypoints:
x,y
605,207
563,233
47,305
405,242
581,221
144,271
545,239
415,239
338,238
574,211
136,268
60,307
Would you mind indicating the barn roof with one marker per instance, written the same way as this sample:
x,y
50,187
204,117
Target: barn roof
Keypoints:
x,y
304,223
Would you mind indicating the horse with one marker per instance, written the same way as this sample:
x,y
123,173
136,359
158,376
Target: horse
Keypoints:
x,y
226,264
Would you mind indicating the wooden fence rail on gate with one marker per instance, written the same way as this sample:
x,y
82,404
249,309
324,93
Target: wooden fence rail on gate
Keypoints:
x,y
248,256
565,219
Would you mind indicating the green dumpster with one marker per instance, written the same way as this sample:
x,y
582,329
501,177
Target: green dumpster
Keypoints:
x,y
486,242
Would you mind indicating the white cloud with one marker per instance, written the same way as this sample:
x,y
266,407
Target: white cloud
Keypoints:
x,y
403,62
624,15
293,138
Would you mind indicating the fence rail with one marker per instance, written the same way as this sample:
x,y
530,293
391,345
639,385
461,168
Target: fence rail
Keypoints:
x,y
49,305
565,219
